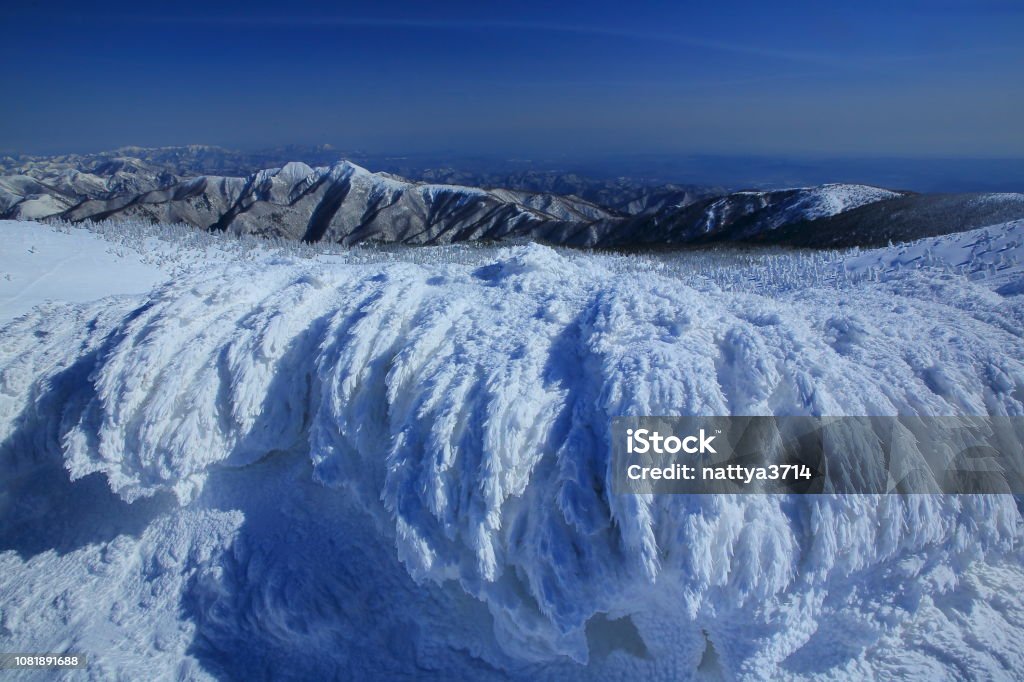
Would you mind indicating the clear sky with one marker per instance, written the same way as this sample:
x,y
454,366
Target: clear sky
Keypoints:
x,y
927,78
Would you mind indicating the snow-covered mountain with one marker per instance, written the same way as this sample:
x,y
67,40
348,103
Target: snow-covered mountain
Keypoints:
x,y
379,464
739,216
45,187
342,203
182,161
345,203
905,218
134,170
629,196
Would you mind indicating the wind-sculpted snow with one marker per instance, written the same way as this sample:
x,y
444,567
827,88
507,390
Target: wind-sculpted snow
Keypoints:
x,y
407,467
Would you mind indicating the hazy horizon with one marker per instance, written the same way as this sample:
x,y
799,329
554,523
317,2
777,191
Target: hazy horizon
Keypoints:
x,y
737,171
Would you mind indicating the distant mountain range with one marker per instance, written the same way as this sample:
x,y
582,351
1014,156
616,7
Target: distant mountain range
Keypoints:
x,y
212,188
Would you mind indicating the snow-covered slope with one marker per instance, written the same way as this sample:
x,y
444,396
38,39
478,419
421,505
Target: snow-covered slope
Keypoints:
x,y
39,264
991,253
396,465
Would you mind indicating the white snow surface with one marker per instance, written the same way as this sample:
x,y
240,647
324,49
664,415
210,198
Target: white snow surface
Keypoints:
x,y
39,264
382,464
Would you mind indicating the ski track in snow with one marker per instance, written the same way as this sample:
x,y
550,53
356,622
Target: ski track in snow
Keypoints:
x,y
304,469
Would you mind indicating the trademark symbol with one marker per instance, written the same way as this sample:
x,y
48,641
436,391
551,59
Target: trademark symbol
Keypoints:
x,y
718,431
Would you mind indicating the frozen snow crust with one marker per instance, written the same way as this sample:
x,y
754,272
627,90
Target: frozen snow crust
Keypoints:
x,y
306,469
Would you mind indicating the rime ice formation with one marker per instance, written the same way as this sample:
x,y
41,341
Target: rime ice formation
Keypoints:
x,y
398,466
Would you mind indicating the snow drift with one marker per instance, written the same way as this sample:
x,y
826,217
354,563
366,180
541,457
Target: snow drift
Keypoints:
x,y
315,468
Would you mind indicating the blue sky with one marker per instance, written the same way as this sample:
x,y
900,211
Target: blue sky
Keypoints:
x,y
818,78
